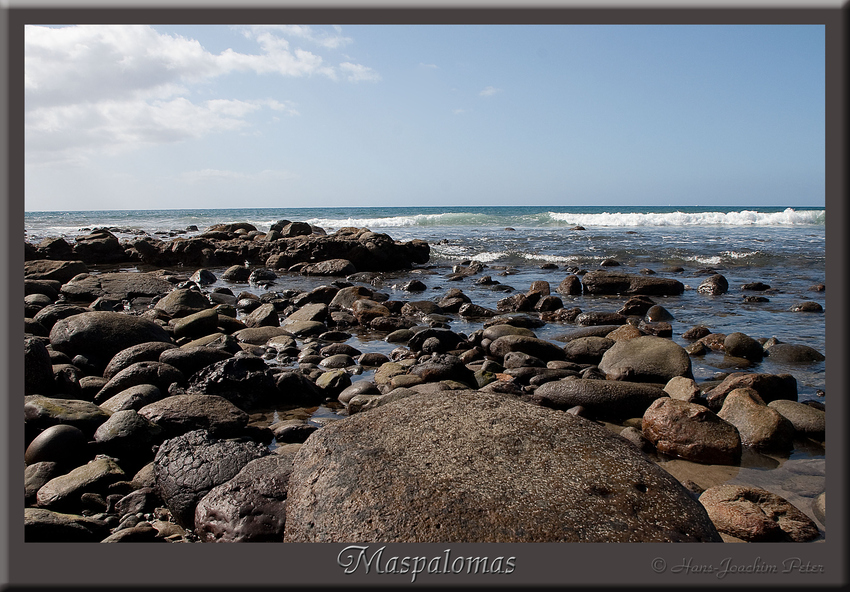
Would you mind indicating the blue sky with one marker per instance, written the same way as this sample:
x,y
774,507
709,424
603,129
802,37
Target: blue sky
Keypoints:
x,y
215,116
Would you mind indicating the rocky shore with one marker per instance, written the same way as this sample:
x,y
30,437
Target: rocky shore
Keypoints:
x,y
159,408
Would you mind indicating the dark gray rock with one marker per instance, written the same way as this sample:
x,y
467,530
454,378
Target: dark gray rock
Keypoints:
x,y
134,397
770,387
402,473
182,302
250,507
743,346
142,352
604,282
42,412
189,466
807,420
158,374
532,346
63,492
59,271
587,350
190,360
788,353
179,414
612,399
38,370
245,381
128,436
714,285
116,286
100,335
62,444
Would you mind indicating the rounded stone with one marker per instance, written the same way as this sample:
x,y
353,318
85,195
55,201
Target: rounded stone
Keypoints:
x,y
62,444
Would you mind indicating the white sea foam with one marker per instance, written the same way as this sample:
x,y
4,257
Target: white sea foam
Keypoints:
x,y
789,216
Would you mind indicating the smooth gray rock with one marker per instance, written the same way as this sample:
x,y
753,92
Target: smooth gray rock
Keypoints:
x,y
600,398
646,359
466,466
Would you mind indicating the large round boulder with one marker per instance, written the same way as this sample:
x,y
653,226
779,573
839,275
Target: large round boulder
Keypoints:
x,y
646,359
467,466
759,426
99,335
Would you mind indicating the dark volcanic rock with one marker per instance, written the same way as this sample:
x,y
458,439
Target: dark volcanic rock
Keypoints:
x,y
250,507
245,381
189,466
403,473
714,285
604,282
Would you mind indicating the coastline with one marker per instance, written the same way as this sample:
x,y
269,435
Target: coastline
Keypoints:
x,y
466,274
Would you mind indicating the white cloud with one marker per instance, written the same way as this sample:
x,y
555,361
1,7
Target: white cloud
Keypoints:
x,y
430,66
459,111
105,88
357,72
490,91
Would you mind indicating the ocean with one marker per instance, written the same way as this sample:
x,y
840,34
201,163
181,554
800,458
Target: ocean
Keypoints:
x,y
782,247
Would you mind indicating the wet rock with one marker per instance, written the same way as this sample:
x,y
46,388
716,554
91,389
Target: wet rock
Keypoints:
x,y
258,335
570,286
292,431
182,302
697,332
189,466
646,359
754,514
714,285
658,313
600,398
593,331
236,274
637,306
788,353
759,426
51,313
743,346
604,282
382,475
587,319
195,325
691,431
297,389
807,306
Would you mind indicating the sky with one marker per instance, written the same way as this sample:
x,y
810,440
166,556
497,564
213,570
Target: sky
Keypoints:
x,y
279,116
